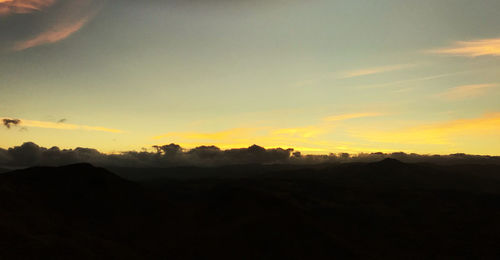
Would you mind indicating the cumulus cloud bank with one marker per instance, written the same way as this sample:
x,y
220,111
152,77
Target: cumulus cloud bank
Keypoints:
x,y
30,154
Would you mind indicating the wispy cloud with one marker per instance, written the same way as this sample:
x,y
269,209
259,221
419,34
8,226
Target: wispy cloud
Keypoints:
x,y
484,47
375,70
467,91
394,83
339,75
8,7
60,126
58,33
54,23
351,116
303,132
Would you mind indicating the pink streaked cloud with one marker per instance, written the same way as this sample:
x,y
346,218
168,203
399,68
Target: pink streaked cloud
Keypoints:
x,y
57,33
60,19
8,7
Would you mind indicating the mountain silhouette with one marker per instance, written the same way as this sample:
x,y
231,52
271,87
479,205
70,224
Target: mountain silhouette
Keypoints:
x,y
381,210
81,177
390,162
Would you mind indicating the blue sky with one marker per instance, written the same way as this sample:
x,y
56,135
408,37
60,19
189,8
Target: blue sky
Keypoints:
x,y
131,74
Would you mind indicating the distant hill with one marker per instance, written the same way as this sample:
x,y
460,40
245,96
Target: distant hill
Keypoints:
x,y
381,210
383,173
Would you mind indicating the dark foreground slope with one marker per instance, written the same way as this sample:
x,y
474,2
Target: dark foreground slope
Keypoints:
x,y
375,210
62,212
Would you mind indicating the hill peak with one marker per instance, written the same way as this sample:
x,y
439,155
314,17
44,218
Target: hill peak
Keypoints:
x,y
390,162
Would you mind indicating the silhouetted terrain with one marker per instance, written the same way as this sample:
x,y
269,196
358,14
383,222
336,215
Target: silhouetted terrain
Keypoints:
x,y
380,210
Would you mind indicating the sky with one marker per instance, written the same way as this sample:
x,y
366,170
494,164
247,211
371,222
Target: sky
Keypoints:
x,y
318,76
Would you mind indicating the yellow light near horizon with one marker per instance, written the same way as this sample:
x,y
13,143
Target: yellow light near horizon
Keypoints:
x,y
63,126
473,48
437,133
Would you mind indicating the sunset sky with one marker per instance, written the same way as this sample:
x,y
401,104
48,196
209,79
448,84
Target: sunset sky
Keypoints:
x,y
319,76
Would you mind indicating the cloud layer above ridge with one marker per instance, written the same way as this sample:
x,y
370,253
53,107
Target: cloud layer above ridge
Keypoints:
x,y
171,155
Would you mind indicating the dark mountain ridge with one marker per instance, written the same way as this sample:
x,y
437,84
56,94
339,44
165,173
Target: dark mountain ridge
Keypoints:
x,y
381,210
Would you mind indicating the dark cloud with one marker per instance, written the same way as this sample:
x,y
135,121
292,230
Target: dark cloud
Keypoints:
x,y
30,154
63,120
26,154
11,122
257,154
